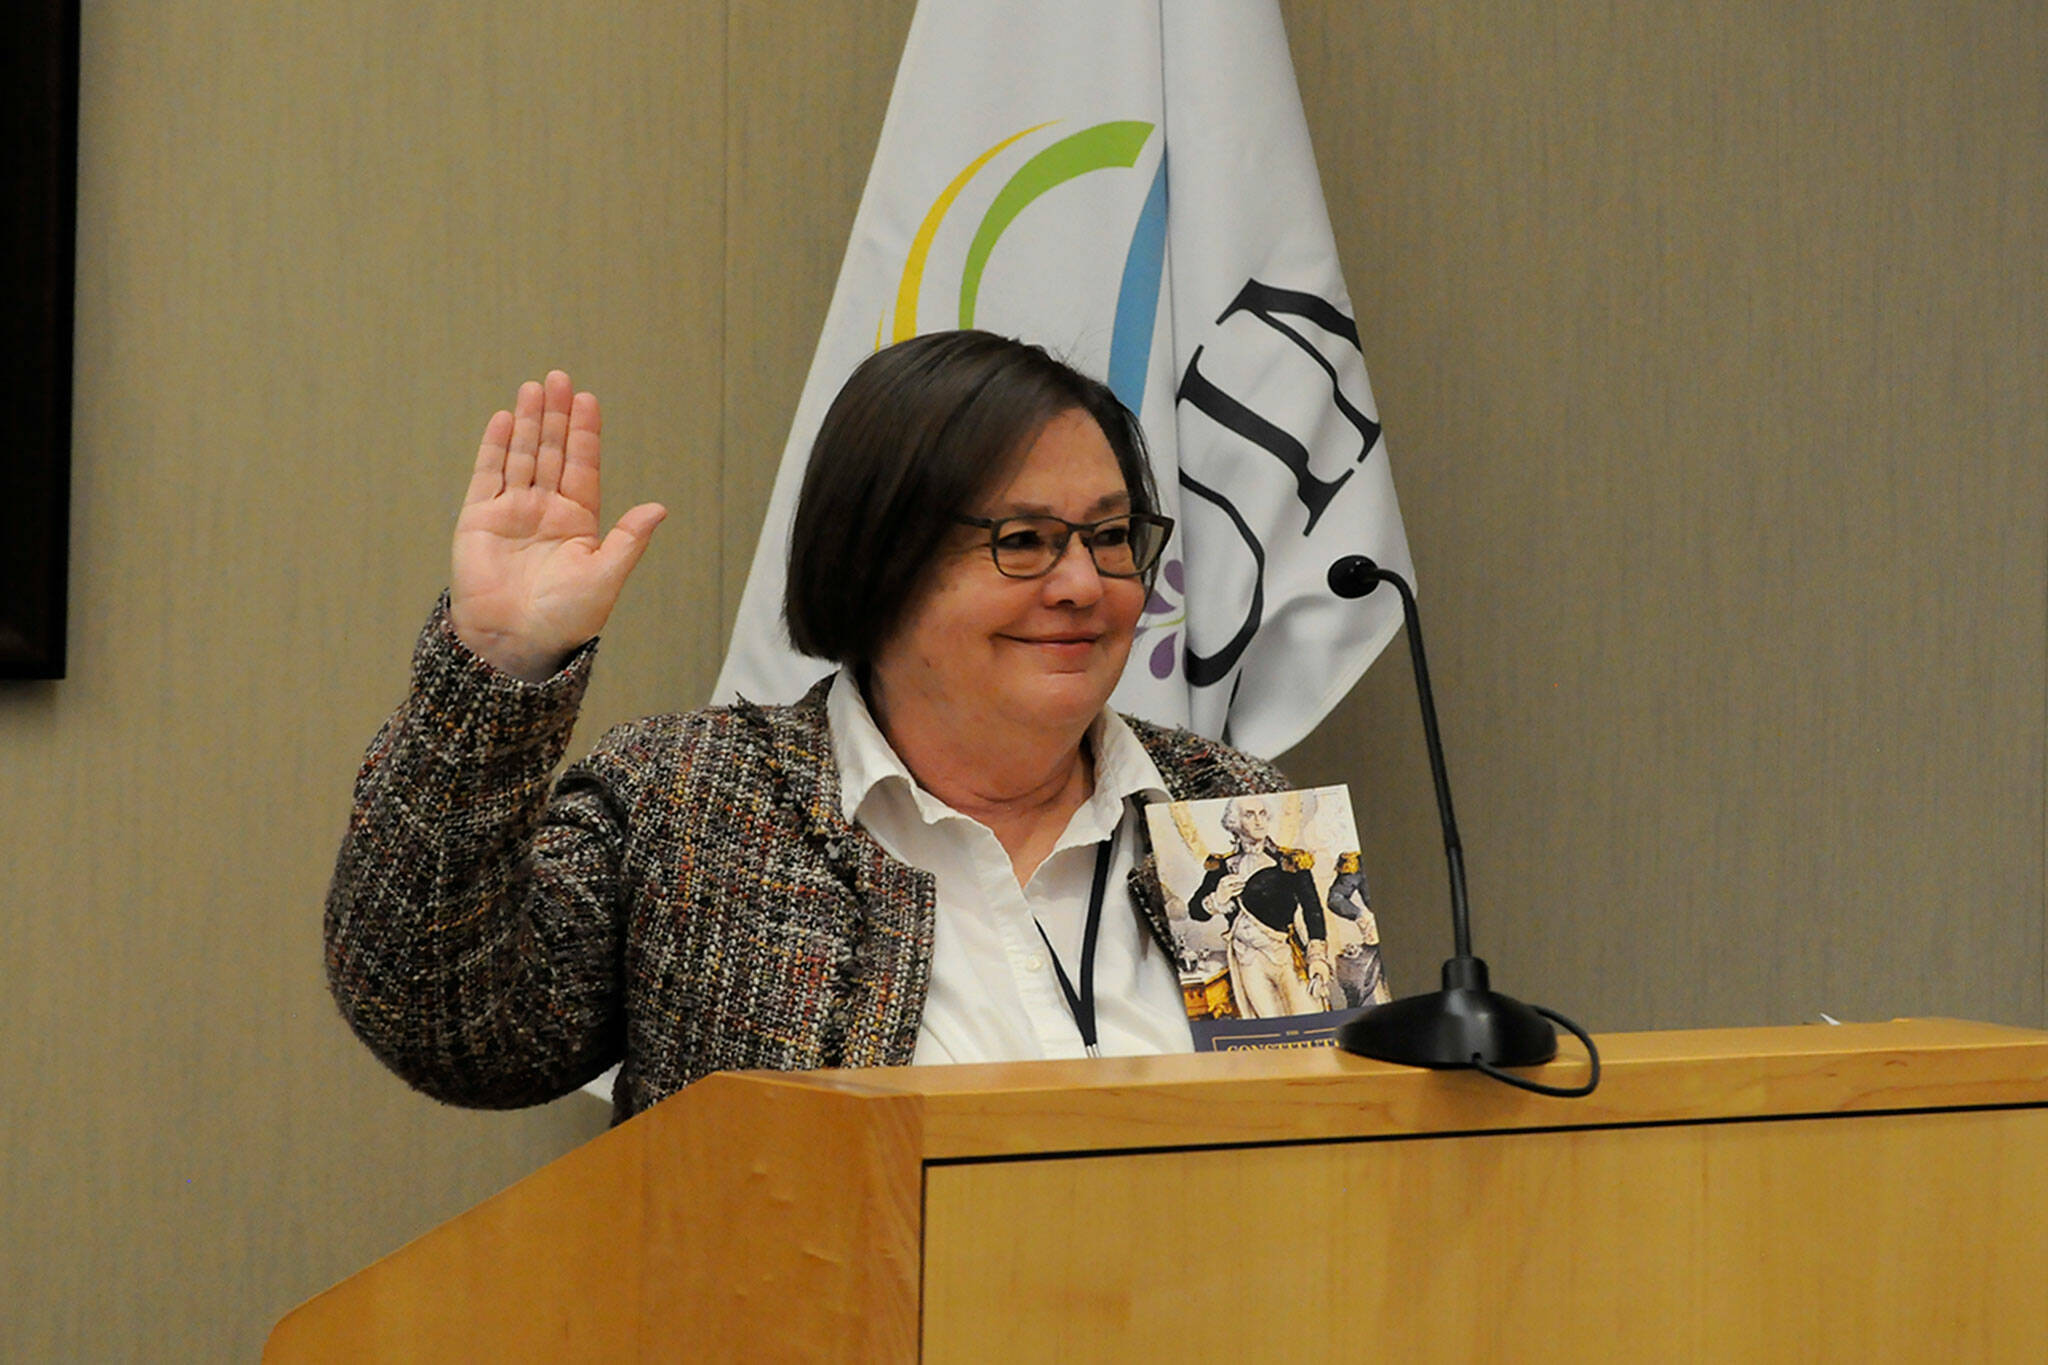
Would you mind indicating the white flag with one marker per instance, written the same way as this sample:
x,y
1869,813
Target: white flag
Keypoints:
x,y
1129,184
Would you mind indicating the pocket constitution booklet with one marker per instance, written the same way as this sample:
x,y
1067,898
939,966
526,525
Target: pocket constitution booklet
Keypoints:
x,y
1266,896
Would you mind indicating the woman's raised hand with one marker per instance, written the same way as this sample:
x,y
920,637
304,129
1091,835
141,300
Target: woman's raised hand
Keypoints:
x,y
531,579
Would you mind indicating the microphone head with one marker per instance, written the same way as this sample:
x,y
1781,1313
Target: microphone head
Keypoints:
x,y
1354,576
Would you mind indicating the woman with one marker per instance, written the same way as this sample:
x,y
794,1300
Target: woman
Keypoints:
x,y
1257,889
904,866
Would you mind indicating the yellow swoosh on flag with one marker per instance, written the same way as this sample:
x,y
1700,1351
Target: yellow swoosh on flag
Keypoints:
x,y
921,245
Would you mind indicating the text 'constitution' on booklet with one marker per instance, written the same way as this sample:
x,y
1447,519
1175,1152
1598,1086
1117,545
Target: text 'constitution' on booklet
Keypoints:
x,y
1272,922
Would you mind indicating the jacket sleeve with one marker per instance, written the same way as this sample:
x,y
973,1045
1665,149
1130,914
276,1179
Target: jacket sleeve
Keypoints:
x,y
472,929
1311,908
1212,877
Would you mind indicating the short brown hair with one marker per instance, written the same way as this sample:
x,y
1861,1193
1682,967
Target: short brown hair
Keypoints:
x,y
917,436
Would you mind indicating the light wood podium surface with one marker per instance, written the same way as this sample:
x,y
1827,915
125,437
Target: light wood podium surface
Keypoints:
x,y
1861,1192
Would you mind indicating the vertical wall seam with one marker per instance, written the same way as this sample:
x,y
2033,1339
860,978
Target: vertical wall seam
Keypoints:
x,y
728,135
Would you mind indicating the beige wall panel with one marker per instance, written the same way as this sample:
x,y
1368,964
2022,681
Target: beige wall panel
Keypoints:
x,y
1709,341
807,106
318,243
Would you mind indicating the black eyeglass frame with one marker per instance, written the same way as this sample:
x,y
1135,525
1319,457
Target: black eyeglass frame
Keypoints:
x,y
1085,530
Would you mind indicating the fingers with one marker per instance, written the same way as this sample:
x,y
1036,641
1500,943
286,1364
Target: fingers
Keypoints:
x,y
554,431
548,441
579,478
521,454
488,477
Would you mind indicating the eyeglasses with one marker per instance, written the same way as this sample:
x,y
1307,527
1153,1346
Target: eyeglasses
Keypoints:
x,y
1123,546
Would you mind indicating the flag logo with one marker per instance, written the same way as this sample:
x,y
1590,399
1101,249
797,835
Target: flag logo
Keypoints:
x,y
1113,145
1130,185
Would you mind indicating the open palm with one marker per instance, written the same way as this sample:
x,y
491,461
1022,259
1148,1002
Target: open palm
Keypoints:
x,y
532,579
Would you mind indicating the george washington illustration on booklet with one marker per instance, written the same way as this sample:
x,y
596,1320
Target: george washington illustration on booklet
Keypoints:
x,y
1267,899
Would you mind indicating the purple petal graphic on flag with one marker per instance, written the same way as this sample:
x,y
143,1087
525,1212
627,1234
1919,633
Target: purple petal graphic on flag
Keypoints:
x,y
1165,616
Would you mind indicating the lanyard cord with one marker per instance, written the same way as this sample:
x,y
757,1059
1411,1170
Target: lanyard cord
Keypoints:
x,y
1082,1004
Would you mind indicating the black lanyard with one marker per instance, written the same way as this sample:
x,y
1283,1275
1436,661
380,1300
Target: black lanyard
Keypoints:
x,y
1082,1004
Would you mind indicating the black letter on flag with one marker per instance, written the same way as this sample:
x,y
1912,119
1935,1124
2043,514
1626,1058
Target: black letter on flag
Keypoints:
x,y
1206,670
1265,302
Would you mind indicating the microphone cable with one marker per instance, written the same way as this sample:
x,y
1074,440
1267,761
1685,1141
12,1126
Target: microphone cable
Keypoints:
x,y
1563,1092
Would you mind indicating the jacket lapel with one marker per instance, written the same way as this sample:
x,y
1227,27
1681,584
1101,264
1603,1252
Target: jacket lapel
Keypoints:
x,y
881,967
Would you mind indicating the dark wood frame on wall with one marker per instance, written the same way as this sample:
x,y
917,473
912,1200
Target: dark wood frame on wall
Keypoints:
x,y
39,112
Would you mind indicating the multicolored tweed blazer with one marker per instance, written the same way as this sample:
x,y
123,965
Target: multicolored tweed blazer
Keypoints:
x,y
688,899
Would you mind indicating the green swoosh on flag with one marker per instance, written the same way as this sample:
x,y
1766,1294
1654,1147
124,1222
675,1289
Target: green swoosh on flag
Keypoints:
x,y
1104,146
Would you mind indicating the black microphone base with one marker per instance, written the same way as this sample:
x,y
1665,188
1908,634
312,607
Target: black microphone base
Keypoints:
x,y
1452,1026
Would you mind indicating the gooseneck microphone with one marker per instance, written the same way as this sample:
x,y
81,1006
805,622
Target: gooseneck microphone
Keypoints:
x,y
1467,1023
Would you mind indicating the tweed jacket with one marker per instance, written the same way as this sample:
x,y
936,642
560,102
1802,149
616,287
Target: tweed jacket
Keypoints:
x,y
689,898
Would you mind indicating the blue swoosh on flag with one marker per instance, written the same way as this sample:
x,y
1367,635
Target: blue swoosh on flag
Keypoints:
x,y
1137,298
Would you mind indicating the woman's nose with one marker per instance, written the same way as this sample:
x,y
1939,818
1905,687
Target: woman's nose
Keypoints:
x,y
1073,576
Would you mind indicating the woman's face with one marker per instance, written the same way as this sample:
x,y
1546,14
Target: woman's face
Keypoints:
x,y
978,653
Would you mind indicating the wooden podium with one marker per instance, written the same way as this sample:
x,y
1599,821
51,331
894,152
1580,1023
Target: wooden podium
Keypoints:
x,y
1863,1192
